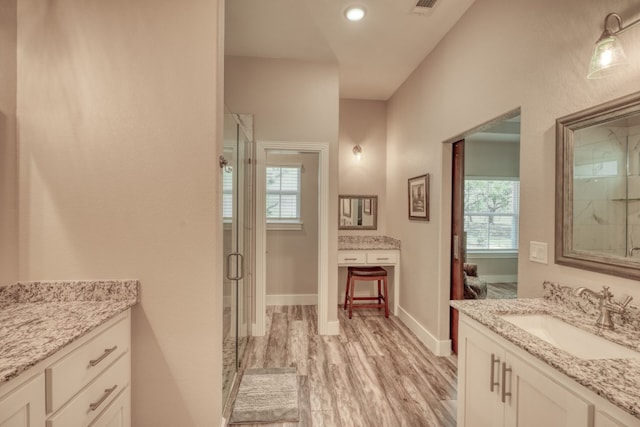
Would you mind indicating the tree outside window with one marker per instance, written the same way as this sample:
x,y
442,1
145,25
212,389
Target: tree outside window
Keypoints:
x,y
491,214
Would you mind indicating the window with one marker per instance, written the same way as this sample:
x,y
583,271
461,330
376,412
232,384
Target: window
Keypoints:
x,y
283,193
491,212
227,193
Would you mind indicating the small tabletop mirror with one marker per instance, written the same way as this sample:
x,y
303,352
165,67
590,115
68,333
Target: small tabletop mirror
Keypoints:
x,y
357,212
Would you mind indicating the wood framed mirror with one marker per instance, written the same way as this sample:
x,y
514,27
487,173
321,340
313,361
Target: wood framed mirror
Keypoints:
x,y
357,212
598,188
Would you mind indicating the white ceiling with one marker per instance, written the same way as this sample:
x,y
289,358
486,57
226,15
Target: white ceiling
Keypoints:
x,y
374,56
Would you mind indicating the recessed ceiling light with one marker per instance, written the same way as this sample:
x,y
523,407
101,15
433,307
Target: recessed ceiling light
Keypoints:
x,y
355,13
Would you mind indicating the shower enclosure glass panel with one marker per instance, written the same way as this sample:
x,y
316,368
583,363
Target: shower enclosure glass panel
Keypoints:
x,y
606,189
237,214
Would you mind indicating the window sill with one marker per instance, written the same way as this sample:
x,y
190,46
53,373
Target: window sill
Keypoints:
x,y
282,226
491,254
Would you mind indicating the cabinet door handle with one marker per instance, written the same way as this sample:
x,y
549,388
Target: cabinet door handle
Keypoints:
x,y
493,383
107,393
504,381
107,351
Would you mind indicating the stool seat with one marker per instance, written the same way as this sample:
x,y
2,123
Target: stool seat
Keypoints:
x,y
367,271
366,274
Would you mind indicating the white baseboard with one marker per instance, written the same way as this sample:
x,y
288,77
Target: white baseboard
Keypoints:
x,y
293,299
438,347
254,330
333,328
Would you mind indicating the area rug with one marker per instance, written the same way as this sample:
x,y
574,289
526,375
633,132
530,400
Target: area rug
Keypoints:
x,y
268,395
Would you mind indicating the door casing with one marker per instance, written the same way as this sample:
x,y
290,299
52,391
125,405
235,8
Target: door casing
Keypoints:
x,y
322,148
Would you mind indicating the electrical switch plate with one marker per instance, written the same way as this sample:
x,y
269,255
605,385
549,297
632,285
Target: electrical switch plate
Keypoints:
x,y
538,252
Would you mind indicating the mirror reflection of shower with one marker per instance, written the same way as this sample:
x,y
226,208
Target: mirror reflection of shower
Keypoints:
x,y
606,188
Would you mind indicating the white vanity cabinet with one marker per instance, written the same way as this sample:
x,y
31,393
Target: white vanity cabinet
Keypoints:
x,y
83,384
23,406
383,258
502,385
87,383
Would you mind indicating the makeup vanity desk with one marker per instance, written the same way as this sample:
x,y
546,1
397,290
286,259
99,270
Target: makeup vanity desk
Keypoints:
x,y
372,250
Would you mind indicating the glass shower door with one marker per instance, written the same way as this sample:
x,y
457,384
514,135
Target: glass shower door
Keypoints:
x,y
237,199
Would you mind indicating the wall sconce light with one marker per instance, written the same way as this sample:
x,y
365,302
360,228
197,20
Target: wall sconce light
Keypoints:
x,y
357,152
608,54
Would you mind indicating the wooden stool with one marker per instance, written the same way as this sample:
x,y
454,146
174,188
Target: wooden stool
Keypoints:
x,y
366,274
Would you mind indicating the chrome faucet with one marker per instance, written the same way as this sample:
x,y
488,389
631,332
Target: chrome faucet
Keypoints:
x,y
606,305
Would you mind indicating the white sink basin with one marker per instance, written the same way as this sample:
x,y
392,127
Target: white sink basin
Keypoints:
x,y
573,340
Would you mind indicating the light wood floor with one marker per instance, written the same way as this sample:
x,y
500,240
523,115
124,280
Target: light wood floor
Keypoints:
x,y
375,373
502,290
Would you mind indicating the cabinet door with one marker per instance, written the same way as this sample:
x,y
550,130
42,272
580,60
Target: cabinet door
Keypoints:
x,y
536,400
24,406
118,414
478,379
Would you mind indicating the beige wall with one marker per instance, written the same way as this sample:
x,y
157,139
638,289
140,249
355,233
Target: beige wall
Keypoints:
x,y
292,255
293,101
496,269
8,148
491,158
117,110
501,55
364,123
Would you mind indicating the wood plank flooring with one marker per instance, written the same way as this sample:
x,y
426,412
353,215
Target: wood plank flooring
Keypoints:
x,y
502,290
375,373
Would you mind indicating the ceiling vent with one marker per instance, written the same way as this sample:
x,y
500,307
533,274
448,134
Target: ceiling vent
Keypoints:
x,y
423,6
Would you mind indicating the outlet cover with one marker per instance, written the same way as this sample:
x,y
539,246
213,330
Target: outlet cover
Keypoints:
x,y
538,252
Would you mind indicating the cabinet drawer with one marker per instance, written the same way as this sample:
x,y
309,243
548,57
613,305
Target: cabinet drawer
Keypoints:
x,y
118,413
67,376
381,257
94,398
346,257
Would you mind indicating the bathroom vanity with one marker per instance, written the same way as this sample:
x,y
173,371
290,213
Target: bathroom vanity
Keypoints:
x,y
381,251
508,376
65,356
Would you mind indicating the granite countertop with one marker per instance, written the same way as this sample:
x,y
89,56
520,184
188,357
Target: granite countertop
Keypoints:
x,y
617,380
39,318
354,243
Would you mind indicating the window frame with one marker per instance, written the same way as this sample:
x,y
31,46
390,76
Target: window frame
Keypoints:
x,y
285,223
496,253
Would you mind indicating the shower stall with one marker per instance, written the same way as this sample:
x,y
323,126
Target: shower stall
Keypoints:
x,y
238,243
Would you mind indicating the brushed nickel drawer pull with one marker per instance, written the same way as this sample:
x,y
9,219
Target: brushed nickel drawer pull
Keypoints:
x,y
504,381
107,393
351,259
107,351
382,258
494,360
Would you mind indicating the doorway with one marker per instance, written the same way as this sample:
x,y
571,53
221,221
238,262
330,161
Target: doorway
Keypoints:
x,y
322,151
485,213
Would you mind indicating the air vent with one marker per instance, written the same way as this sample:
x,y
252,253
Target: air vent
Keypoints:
x,y
426,3
423,7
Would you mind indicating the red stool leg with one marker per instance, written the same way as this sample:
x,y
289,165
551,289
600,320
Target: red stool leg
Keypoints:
x,y
386,298
379,293
346,291
353,291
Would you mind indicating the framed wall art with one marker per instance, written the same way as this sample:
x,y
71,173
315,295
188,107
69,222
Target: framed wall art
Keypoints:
x,y
419,198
